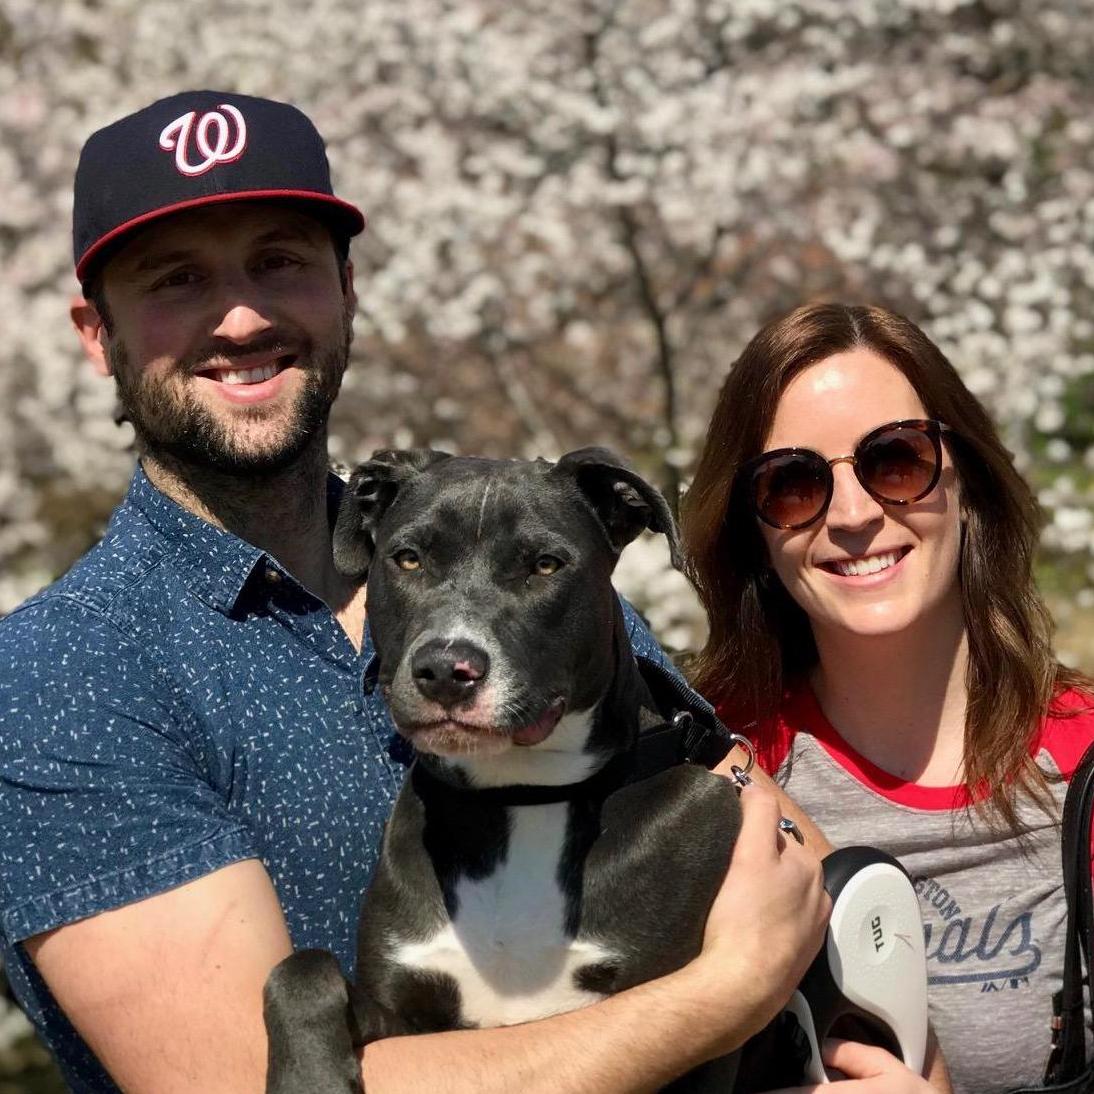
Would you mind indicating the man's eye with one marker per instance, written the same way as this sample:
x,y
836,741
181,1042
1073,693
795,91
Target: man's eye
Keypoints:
x,y
278,262
175,279
545,565
407,560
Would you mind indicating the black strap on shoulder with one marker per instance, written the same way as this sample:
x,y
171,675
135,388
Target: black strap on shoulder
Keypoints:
x,y
689,732
1068,1058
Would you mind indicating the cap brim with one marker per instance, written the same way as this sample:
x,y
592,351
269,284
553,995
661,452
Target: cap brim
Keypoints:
x,y
329,208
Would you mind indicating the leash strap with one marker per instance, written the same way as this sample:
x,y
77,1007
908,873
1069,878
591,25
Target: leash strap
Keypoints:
x,y
1067,1060
690,732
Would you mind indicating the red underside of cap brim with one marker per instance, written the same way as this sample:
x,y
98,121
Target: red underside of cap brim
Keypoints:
x,y
350,213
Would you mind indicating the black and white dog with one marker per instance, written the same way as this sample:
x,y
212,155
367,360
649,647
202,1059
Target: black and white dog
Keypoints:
x,y
532,863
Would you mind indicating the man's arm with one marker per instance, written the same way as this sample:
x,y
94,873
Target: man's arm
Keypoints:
x,y
168,991
108,816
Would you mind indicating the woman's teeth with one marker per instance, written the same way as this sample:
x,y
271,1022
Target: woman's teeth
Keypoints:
x,y
248,375
860,567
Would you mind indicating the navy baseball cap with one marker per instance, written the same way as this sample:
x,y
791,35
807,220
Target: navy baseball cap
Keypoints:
x,y
198,148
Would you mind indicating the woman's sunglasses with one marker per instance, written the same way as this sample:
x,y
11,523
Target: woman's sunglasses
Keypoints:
x,y
897,463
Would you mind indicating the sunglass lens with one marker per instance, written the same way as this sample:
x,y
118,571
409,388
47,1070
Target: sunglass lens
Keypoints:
x,y
899,464
791,490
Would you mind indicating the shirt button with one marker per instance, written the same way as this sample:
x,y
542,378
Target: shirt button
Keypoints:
x,y
273,575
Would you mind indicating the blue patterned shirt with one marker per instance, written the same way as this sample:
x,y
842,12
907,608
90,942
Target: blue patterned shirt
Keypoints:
x,y
175,703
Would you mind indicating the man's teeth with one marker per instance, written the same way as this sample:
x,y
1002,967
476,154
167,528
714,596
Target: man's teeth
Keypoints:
x,y
860,567
247,375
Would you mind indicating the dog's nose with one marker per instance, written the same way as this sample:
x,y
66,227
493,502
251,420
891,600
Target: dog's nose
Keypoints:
x,y
449,671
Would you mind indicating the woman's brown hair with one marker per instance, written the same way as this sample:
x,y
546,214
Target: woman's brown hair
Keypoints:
x,y
760,640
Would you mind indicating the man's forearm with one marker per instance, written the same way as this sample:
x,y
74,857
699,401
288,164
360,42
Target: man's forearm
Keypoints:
x,y
636,1041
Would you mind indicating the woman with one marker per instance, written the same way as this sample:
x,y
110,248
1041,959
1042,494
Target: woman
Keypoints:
x,y
863,546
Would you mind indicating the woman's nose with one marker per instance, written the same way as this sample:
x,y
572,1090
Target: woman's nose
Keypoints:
x,y
851,508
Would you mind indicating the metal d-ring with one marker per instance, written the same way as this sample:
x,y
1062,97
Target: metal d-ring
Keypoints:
x,y
741,775
683,720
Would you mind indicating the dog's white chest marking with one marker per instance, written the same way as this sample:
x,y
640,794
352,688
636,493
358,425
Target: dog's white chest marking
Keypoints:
x,y
507,947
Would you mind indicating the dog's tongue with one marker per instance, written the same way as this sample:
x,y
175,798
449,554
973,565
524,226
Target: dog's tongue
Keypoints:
x,y
541,729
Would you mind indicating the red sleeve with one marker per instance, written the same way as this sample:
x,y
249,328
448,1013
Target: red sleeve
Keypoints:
x,y
1068,731
1066,734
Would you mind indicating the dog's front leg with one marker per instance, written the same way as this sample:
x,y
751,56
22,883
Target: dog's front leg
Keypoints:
x,y
308,1023
316,1024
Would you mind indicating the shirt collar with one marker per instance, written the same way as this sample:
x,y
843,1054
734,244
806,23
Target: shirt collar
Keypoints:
x,y
216,564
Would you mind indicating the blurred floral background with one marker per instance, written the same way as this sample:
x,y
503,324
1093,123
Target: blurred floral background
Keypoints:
x,y
579,212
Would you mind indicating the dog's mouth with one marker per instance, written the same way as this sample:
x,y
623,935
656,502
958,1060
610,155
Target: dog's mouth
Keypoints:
x,y
453,735
542,727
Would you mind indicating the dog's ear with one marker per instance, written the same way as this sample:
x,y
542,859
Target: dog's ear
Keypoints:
x,y
368,495
625,503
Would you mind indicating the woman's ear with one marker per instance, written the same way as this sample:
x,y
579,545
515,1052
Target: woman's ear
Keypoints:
x,y
91,331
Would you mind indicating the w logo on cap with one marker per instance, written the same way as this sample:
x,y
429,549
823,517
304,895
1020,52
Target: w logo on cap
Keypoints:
x,y
211,137
125,180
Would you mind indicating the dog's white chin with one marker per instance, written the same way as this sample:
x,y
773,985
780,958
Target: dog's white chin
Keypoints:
x,y
451,739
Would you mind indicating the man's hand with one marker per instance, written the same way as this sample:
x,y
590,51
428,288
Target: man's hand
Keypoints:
x,y
869,1070
814,837
769,917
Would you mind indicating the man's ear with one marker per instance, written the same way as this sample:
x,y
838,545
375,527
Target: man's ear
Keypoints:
x,y
371,489
92,333
623,501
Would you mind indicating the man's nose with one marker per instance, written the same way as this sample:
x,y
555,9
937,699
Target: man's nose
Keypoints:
x,y
241,313
449,671
851,508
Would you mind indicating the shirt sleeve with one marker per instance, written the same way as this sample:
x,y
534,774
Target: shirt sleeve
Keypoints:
x,y
105,797
642,640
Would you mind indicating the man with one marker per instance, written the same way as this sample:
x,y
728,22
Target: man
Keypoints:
x,y
193,778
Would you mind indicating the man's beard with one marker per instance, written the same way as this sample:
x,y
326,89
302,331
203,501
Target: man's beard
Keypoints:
x,y
175,424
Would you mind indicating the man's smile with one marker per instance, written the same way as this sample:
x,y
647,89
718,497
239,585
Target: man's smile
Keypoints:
x,y
253,375
248,378
248,368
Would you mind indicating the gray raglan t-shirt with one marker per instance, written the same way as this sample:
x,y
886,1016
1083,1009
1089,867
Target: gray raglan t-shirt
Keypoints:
x,y
993,905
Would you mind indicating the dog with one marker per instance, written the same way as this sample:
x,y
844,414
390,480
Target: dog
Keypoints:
x,y
536,860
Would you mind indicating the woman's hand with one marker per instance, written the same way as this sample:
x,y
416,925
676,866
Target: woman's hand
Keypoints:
x,y
767,921
868,1070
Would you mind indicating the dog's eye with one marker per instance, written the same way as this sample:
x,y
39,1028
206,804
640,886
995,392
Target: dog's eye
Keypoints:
x,y
546,565
407,559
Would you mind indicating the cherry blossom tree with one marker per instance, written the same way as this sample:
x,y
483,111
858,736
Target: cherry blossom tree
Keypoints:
x,y
579,213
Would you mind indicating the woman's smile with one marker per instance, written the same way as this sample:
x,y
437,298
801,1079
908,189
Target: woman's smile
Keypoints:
x,y
879,564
